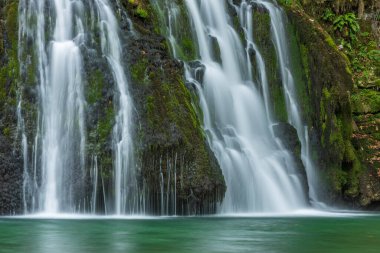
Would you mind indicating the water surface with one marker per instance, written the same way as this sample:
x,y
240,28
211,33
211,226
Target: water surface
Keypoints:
x,y
201,235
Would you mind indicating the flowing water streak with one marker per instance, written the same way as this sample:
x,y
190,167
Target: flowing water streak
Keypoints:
x,y
278,22
63,111
31,27
245,14
59,148
125,184
95,179
260,176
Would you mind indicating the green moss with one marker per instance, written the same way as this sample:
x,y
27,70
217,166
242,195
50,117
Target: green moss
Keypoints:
x,y
263,40
305,63
349,152
9,72
150,109
188,48
326,94
139,71
141,12
106,124
95,87
12,20
299,61
168,121
184,46
329,40
366,101
338,179
7,132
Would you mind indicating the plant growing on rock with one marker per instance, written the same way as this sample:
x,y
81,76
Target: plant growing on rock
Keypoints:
x,y
328,15
347,25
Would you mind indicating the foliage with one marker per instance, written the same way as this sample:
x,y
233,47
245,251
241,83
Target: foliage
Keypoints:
x,y
348,24
374,55
328,15
357,42
141,12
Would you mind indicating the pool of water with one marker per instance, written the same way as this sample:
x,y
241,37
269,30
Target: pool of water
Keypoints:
x,y
346,233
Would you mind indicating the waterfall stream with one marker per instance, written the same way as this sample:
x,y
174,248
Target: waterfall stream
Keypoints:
x,y
55,181
278,22
260,175
61,135
126,195
229,76
237,111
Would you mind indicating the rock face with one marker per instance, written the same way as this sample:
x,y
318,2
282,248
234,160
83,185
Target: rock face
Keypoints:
x,y
347,152
329,83
358,179
10,178
177,173
10,156
172,148
287,134
366,139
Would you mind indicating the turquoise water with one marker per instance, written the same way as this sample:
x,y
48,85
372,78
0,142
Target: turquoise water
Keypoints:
x,y
200,235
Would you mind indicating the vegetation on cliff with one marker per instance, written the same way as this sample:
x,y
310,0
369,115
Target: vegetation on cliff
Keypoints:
x,y
348,110
169,134
10,154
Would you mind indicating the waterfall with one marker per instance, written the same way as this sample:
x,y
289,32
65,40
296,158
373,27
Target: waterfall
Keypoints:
x,y
126,192
278,22
60,137
94,178
63,111
260,175
229,77
54,35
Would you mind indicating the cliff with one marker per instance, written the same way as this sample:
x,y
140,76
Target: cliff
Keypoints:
x,y
342,71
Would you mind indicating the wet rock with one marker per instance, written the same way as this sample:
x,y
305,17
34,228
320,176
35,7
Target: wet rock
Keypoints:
x,y
198,70
288,136
10,178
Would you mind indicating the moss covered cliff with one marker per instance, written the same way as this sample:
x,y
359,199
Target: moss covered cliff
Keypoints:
x,y
339,58
336,70
169,135
10,153
177,173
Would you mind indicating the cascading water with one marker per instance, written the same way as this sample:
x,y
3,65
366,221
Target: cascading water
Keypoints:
x,y
60,138
260,174
236,106
278,22
127,199
56,177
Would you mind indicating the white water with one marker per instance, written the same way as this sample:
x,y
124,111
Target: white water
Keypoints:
x,y
94,178
260,175
63,126
127,198
59,146
278,22
54,174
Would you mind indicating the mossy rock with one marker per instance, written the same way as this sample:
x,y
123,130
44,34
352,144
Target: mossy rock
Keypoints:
x,y
328,86
11,165
168,133
366,101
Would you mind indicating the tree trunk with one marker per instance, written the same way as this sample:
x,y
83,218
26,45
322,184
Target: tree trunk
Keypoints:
x,y
361,9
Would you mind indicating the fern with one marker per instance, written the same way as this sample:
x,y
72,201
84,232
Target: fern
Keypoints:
x,y
348,24
328,15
